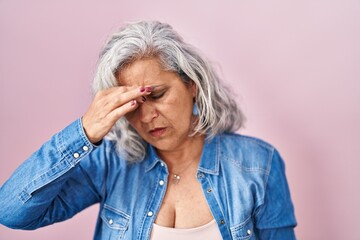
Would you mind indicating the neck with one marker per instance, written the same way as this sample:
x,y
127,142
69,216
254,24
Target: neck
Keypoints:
x,y
177,159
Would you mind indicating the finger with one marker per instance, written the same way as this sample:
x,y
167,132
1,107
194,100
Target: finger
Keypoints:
x,y
117,113
141,99
118,98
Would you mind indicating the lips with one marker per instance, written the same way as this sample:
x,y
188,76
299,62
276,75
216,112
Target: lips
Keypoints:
x,y
157,132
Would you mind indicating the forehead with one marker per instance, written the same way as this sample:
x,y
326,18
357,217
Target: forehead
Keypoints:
x,y
142,72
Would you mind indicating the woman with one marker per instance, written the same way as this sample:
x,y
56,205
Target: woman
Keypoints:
x,y
156,149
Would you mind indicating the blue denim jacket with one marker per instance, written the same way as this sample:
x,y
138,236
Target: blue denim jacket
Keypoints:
x,y
243,180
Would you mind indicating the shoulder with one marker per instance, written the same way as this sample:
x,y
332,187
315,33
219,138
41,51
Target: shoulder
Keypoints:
x,y
246,141
249,153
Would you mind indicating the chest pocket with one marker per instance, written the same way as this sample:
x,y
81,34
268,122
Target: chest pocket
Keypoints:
x,y
115,222
243,231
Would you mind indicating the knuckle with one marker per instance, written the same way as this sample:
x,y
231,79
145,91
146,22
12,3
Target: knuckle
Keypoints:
x,y
100,94
116,100
122,89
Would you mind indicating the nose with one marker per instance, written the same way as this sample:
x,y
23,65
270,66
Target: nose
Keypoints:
x,y
147,112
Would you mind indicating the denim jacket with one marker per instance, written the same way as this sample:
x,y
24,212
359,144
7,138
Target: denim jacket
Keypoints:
x,y
243,180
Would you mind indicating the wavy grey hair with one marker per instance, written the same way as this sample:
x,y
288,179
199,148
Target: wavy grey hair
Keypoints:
x,y
218,111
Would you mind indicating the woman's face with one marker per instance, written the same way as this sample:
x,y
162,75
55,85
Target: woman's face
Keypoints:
x,y
164,120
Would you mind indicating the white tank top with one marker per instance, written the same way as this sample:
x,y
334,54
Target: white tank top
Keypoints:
x,y
209,231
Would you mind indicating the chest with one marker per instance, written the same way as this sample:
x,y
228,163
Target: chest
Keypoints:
x,y
184,205
134,200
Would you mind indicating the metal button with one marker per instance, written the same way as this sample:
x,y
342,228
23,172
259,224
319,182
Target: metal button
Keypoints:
x,y
209,190
85,148
161,182
150,214
200,175
76,155
162,164
222,222
248,232
111,221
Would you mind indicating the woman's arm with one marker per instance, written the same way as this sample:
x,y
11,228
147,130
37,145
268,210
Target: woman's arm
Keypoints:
x,y
275,218
62,177
52,185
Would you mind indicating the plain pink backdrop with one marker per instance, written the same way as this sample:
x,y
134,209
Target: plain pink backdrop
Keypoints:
x,y
295,66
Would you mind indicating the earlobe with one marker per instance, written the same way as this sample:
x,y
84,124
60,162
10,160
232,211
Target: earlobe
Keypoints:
x,y
195,111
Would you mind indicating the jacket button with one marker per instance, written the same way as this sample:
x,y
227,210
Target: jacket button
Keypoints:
x,y
209,190
85,148
200,175
248,232
222,222
161,182
76,155
111,221
150,214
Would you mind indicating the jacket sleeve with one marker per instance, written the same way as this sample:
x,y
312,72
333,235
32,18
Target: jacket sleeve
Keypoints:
x,y
275,218
54,183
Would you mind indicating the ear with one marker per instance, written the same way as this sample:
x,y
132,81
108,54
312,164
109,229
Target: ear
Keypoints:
x,y
193,89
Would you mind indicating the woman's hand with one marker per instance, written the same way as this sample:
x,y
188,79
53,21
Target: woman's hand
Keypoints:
x,y
109,106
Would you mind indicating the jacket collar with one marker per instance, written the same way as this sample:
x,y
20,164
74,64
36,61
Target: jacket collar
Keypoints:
x,y
210,157
151,158
209,162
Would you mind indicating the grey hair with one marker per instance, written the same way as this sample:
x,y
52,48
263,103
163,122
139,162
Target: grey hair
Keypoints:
x,y
218,111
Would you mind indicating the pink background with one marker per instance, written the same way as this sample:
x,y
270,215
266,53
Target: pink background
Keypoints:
x,y
294,65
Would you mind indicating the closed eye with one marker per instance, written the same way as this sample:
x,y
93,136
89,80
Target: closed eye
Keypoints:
x,y
157,95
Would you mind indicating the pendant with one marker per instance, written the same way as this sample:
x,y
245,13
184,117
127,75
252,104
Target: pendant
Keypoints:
x,y
176,179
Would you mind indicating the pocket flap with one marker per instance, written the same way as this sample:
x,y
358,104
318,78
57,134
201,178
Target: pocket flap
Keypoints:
x,y
244,230
114,218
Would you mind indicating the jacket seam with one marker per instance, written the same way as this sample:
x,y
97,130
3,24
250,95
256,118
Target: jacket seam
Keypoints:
x,y
270,160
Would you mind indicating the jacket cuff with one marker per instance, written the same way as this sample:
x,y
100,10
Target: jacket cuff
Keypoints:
x,y
73,143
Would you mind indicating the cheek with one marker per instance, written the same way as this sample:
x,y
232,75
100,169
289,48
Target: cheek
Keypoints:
x,y
177,111
130,117
133,120
180,101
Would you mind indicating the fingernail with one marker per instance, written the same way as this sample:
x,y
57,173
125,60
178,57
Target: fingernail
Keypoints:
x,y
148,89
142,89
133,102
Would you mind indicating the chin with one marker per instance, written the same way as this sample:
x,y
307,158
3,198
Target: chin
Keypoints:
x,y
163,144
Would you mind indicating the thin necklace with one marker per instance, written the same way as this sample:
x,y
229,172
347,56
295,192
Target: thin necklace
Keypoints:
x,y
176,177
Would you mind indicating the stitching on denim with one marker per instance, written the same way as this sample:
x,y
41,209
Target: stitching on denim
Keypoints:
x,y
24,196
45,171
215,195
270,160
81,131
31,187
217,156
246,169
205,170
118,211
63,151
256,141
122,215
241,225
148,205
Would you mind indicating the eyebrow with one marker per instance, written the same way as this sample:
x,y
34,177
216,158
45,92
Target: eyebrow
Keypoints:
x,y
156,87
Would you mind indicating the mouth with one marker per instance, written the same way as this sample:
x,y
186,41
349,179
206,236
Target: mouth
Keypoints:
x,y
157,132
